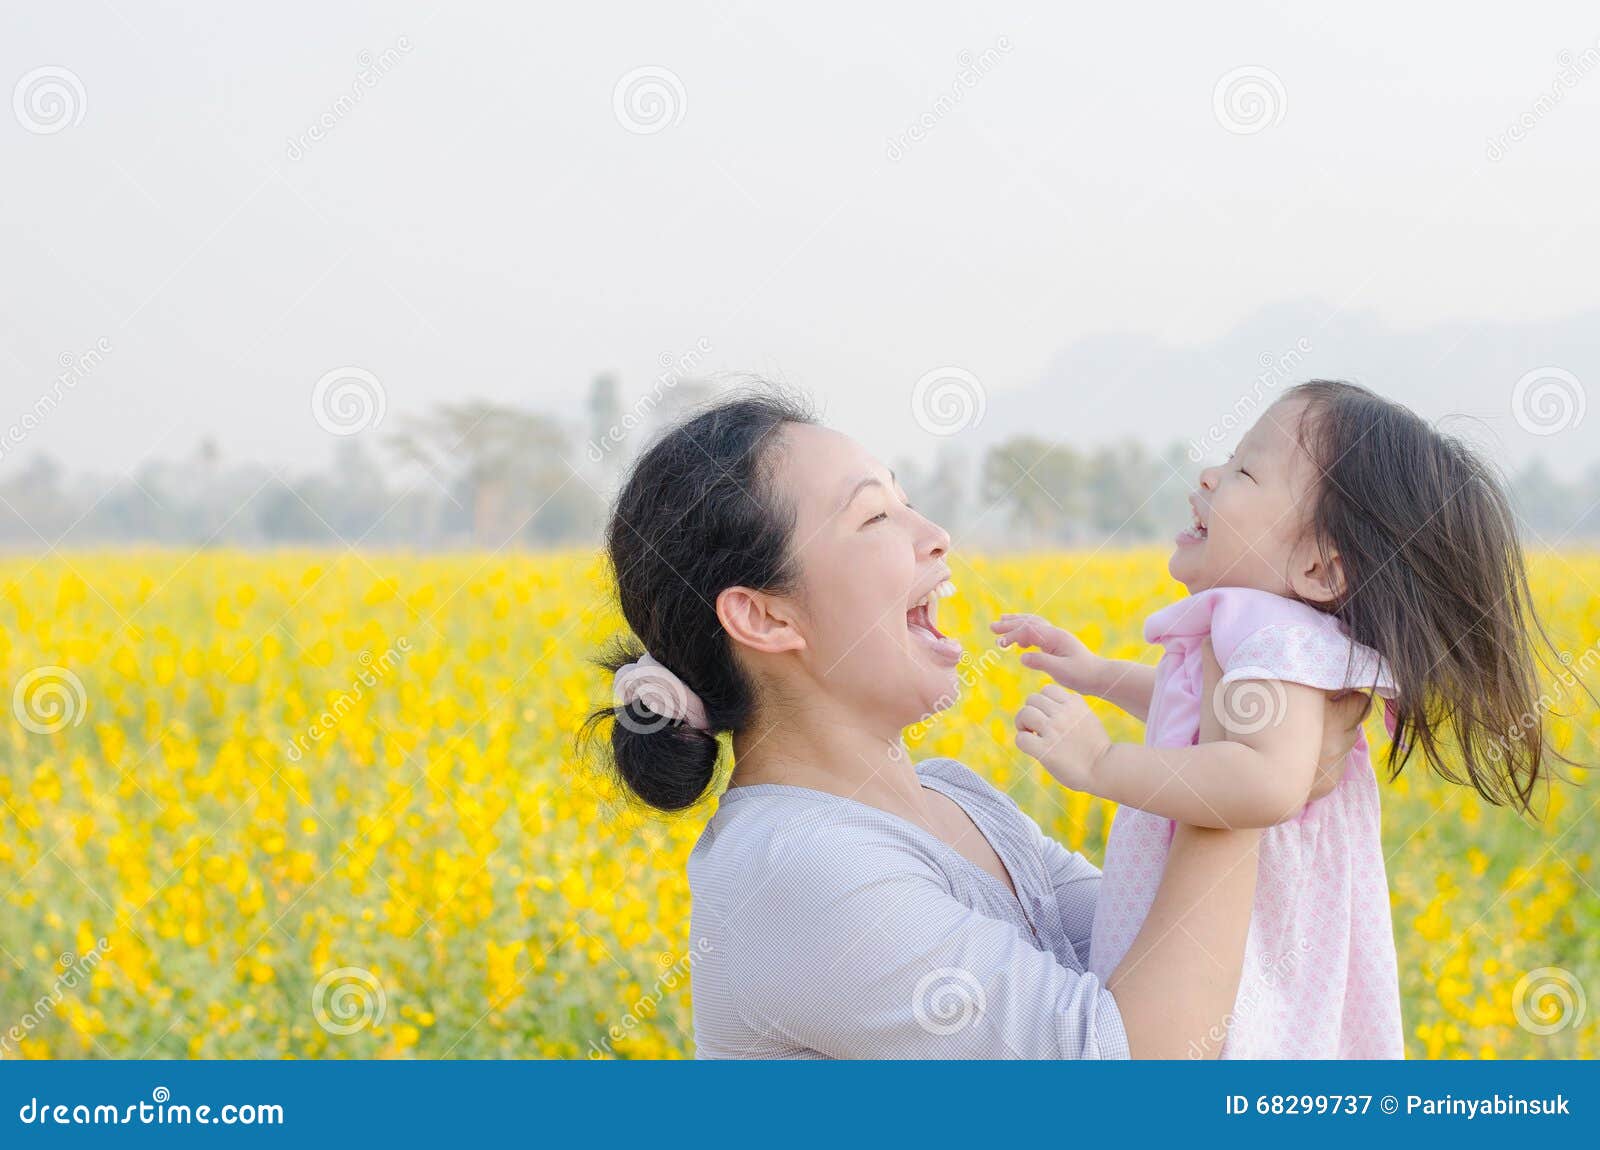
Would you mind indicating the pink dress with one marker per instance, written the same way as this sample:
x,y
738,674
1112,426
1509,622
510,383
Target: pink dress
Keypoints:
x,y
1320,975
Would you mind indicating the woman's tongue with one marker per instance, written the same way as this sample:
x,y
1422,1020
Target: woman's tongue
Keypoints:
x,y
921,625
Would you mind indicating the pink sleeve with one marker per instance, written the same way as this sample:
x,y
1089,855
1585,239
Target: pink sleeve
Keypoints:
x,y
1317,656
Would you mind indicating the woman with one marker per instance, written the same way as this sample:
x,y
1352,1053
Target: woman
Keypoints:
x,y
848,903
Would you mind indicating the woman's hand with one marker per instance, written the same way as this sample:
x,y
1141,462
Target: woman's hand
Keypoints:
x,y
1061,654
1058,728
1341,727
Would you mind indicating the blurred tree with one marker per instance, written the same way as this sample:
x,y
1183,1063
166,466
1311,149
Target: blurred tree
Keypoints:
x,y
507,469
1039,485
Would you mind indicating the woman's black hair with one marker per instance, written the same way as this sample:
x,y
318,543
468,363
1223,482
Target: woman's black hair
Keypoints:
x,y
696,515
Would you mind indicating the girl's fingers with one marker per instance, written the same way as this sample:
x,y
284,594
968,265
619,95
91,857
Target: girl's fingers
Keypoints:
x,y
1030,719
1030,744
1057,692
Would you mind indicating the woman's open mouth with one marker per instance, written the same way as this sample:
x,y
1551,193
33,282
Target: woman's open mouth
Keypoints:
x,y
921,622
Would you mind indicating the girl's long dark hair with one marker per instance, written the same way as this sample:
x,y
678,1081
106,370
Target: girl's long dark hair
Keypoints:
x,y
1434,581
696,515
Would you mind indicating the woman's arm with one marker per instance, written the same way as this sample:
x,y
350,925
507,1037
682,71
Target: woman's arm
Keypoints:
x,y
862,952
1180,976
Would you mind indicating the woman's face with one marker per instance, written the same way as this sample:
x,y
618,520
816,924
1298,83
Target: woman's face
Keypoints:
x,y
871,572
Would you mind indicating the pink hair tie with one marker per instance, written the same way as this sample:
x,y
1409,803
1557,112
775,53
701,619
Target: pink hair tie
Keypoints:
x,y
658,690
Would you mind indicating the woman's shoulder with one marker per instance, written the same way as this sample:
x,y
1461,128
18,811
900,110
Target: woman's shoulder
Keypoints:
x,y
957,776
768,836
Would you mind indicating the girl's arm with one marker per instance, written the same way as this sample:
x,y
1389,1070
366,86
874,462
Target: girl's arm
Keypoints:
x,y
1067,660
1260,774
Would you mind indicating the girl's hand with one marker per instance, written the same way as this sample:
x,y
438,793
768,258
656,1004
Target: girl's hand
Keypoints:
x,y
1058,728
1061,654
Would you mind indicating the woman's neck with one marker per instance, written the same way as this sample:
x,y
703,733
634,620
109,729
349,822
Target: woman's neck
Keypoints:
x,y
837,754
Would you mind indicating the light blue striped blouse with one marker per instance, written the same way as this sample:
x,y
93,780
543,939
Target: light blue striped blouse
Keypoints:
x,y
826,928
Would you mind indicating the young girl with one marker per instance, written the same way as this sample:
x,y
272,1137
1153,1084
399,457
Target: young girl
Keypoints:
x,y
1345,546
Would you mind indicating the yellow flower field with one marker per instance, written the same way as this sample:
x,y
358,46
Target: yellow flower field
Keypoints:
x,y
322,805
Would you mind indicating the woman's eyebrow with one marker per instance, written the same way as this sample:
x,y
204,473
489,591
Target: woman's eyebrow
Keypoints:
x,y
868,481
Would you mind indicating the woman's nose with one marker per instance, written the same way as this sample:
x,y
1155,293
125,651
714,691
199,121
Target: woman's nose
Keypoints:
x,y
936,539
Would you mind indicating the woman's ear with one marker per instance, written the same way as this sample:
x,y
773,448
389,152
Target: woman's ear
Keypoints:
x,y
1320,577
758,621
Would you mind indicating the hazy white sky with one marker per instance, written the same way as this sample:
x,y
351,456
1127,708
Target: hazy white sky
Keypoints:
x,y
482,222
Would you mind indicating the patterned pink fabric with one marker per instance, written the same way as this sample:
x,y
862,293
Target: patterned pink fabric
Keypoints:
x,y
1320,974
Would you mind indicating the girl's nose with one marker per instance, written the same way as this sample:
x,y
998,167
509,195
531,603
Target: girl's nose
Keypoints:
x,y
1208,478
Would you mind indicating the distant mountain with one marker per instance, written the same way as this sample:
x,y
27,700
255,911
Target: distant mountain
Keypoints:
x,y
1109,387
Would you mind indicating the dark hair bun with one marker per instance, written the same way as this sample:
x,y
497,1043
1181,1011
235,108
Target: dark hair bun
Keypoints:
x,y
667,765
695,516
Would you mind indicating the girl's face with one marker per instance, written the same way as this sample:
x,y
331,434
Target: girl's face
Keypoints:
x,y
871,572
1250,515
